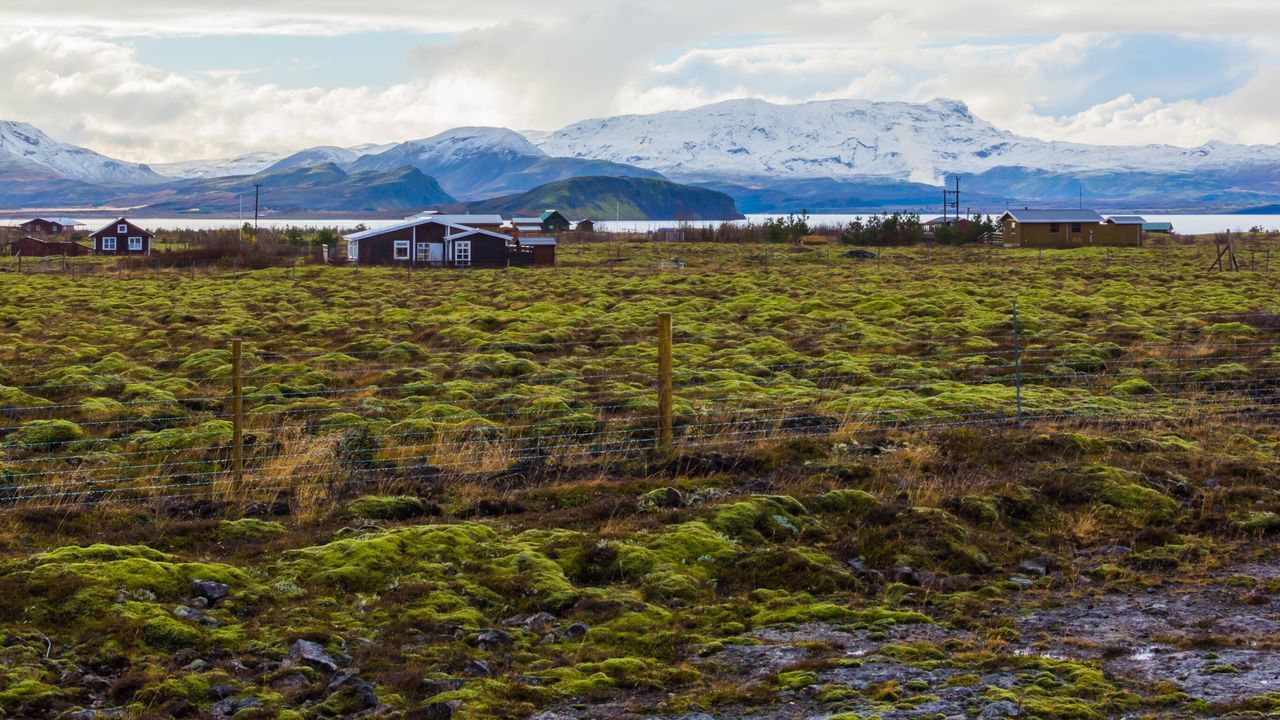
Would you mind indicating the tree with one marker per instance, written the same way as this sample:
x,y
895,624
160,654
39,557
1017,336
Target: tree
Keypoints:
x,y
326,237
790,229
896,229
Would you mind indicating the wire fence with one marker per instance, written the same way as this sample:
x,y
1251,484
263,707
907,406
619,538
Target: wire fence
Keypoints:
x,y
325,424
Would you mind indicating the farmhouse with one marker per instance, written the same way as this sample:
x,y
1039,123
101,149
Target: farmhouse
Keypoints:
x,y
50,226
121,237
1065,229
435,241
35,247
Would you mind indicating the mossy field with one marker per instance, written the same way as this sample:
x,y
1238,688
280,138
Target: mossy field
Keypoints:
x,y
886,497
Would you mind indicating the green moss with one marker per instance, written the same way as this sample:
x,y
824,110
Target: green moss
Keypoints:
x,y
14,695
761,517
846,501
43,434
1139,500
387,507
248,529
796,679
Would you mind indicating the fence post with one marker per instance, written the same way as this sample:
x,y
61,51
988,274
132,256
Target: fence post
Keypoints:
x,y
237,412
664,381
1017,367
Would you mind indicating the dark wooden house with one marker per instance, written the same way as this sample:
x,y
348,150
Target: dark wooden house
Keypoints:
x,y
543,249
121,237
586,225
35,247
50,226
430,241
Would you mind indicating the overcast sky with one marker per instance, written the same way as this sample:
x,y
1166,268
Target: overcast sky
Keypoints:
x,y
163,80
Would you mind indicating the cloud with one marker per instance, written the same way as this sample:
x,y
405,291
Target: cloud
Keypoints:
x,y
1087,70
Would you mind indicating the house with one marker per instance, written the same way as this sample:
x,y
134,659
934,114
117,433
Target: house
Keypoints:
x,y
544,250
121,237
35,247
550,221
434,241
50,226
492,223
933,224
585,225
1160,228
1066,229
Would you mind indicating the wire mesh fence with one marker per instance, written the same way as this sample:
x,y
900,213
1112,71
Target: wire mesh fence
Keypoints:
x,y
226,424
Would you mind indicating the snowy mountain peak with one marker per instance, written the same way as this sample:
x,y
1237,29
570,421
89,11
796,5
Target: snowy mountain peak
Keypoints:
x,y
740,139
23,142
466,140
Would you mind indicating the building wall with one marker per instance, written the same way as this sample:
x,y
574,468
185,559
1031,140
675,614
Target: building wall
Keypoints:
x,y
486,250
1119,235
33,247
42,227
122,240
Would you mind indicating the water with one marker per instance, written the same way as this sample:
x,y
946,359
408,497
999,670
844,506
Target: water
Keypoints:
x,y
1183,224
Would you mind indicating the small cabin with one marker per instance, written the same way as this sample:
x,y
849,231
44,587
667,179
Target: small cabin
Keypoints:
x,y
35,247
50,226
544,250
122,237
585,225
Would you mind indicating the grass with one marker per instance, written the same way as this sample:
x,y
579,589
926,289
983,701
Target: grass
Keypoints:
x,y
435,457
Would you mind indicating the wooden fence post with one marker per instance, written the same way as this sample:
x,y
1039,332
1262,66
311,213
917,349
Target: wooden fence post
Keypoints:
x,y
664,381
237,412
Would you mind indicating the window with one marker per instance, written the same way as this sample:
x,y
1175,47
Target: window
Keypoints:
x,y
108,243
135,243
424,251
402,250
122,228
462,252
1075,227
1055,227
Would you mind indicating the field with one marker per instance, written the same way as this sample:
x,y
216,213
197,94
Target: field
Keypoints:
x,y
887,495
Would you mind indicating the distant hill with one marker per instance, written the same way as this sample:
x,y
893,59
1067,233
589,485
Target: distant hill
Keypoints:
x,y
1259,210
322,187
482,162
604,197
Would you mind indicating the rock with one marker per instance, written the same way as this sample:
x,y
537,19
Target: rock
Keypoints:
x,y
1000,709
858,565
210,590
293,683
490,639
859,255
1035,567
187,613
906,575
540,623
1022,582
230,706
221,691
198,602
305,652
575,631
479,668
197,665
430,688
1112,550
431,711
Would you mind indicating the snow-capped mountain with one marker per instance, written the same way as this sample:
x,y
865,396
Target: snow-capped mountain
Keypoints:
x,y
247,164
477,162
23,145
858,138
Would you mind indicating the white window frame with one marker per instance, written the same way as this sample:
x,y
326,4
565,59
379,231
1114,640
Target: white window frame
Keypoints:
x,y
401,246
109,243
462,253
135,243
424,251
122,228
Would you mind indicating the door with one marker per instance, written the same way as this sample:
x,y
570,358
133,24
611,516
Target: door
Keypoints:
x,y
462,253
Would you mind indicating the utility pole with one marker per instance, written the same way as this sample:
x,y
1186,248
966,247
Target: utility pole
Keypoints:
x,y
257,188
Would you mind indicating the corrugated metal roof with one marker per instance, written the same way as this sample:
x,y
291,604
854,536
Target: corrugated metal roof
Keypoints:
x,y
470,220
1157,226
437,219
541,241
1126,219
1053,216
64,221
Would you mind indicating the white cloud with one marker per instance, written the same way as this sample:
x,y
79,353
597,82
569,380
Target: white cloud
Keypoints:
x,y
72,73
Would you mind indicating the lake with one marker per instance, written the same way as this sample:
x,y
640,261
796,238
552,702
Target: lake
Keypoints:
x,y
1184,224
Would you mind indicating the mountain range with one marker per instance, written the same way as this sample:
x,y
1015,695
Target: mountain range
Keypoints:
x,y
831,156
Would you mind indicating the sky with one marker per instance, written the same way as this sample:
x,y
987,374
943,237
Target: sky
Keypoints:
x,y
169,80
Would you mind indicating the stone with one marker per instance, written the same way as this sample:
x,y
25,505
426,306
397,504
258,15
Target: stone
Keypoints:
x,y
575,631
210,590
430,688
431,711
230,706
305,652
540,623
221,691
490,639
1000,709
1035,567
1022,582
906,575
479,668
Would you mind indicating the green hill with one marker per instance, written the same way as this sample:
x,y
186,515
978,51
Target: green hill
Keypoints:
x,y
604,198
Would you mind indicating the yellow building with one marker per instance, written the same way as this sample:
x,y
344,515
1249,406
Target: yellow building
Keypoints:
x,y
1065,229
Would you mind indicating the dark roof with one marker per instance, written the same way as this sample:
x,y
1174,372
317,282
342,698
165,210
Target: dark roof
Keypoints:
x,y
1053,216
118,221
64,221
